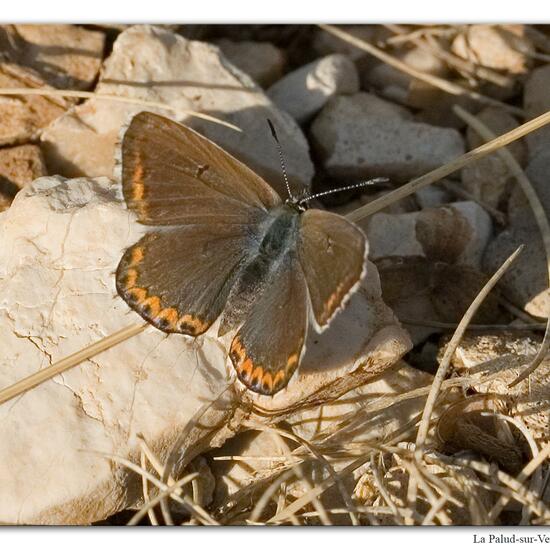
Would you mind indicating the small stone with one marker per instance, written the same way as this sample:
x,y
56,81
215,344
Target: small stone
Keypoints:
x,y
432,196
65,56
500,47
526,281
144,59
536,101
22,117
398,86
306,90
262,61
357,139
19,166
325,43
457,233
489,179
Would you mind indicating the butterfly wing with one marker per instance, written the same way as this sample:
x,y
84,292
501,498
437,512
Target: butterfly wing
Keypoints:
x,y
171,175
205,206
179,279
332,254
263,357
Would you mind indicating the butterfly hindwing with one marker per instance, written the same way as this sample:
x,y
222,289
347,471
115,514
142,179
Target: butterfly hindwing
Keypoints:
x,y
172,175
332,254
178,279
268,346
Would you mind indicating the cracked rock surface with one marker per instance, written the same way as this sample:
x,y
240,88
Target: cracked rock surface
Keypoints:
x,y
60,243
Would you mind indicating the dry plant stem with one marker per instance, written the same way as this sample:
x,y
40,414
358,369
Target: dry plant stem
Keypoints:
x,y
539,215
428,41
175,452
443,368
443,171
112,97
145,489
68,362
171,490
148,506
516,490
452,326
441,83
533,464
379,482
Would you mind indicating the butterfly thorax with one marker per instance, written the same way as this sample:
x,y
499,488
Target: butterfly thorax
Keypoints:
x,y
280,232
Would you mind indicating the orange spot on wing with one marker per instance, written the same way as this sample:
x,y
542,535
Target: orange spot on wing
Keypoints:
x,y
170,316
137,255
131,278
153,305
137,294
137,180
279,380
292,361
192,325
267,382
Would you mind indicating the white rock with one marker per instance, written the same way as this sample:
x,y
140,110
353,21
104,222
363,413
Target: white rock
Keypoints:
x,y
60,243
489,179
526,281
66,56
356,139
262,61
456,233
398,86
306,90
154,64
501,47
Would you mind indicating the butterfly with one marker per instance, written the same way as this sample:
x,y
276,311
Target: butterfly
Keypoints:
x,y
222,244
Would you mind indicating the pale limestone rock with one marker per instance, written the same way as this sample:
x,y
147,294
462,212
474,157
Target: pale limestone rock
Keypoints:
x,y
19,166
154,64
65,56
526,281
23,117
60,243
398,86
303,92
501,47
262,61
489,179
355,138
456,233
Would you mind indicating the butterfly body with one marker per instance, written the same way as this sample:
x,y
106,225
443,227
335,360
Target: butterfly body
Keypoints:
x,y
223,244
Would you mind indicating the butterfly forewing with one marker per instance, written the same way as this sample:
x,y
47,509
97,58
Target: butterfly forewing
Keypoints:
x,y
332,254
171,175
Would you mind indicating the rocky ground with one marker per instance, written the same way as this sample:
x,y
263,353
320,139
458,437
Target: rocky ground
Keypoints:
x,y
338,446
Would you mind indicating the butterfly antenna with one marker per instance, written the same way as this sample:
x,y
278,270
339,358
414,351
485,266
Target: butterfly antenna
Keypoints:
x,y
281,157
347,188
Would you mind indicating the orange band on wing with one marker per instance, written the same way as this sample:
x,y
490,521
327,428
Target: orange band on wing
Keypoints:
x,y
150,307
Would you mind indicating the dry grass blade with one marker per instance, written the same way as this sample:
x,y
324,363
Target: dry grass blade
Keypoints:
x,y
445,363
525,473
539,215
69,362
457,164
441,83
118,98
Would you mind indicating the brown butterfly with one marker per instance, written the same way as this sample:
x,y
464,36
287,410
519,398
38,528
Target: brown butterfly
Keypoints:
x,y
222,243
